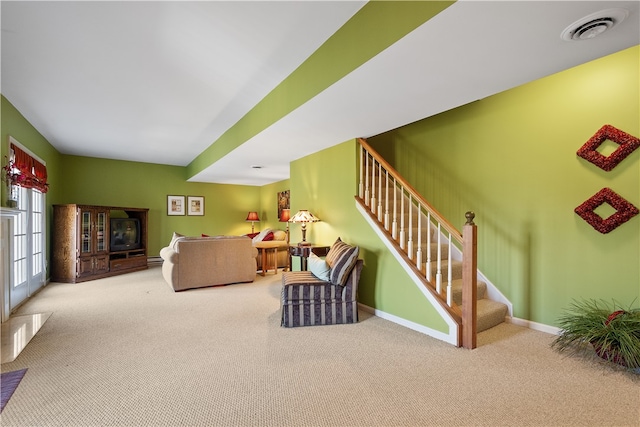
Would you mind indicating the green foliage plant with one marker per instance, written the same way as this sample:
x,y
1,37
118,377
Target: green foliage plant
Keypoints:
x,y
612,331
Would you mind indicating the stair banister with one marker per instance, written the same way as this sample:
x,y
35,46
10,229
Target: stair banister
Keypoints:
x,y
468,315
457,235
469,282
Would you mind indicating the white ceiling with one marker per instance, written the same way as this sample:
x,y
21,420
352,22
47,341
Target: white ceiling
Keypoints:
x,y
160,82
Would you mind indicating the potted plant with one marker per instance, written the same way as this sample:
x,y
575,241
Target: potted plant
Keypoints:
x,y
612,331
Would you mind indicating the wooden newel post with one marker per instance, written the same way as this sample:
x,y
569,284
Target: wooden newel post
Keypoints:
x,y
469,282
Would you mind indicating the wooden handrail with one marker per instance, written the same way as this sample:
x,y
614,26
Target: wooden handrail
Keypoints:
x,y
434,212
466,318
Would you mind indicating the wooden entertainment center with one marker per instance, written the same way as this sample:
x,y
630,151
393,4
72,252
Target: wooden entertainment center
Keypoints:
x,y
83,246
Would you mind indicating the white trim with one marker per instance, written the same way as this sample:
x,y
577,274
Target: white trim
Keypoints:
x,y
408,324
452,336
533,325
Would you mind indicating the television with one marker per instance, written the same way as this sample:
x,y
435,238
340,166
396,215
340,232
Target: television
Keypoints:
x,y
125,234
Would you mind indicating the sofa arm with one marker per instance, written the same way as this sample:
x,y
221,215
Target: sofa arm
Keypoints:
x,y
168,254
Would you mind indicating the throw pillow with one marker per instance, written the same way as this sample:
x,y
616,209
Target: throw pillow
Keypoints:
x,y
260,236
279,235
205,235
319,267
341,258
251,235
175,237
268,237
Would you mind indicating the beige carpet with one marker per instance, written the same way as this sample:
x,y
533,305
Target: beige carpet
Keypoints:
x,y
128,351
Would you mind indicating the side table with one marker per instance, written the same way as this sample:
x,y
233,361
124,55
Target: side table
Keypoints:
x,y
263,250
304,251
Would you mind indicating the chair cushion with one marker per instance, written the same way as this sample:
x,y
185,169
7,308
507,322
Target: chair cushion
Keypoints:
x,y
341,258
319,267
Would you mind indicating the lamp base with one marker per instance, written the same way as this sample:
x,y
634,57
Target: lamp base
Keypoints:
x,y
304,244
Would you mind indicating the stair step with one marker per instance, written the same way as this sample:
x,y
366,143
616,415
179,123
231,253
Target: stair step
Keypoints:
x,y
456,288
490,314
456,270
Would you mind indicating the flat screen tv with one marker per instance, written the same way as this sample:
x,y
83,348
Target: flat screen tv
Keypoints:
x,y
125,234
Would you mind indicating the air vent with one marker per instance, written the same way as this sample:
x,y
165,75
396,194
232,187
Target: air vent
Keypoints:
x,y
593,25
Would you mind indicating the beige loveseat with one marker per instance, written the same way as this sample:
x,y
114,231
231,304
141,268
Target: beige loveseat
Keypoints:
x,y
196,262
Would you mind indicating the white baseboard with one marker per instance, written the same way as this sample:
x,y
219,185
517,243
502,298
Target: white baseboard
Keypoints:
x,y
408,324
154,260
533,325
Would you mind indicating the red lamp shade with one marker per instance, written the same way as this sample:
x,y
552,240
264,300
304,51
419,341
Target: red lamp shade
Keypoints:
x,y
252,216
285,215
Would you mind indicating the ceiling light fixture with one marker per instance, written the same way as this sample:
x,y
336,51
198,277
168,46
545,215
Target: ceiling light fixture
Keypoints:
x,y
593,25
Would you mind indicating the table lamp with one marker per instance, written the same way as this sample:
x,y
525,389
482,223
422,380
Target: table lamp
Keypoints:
x,y
303,217
252,217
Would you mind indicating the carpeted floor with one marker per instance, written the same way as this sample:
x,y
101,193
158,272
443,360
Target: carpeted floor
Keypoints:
x,y
128,351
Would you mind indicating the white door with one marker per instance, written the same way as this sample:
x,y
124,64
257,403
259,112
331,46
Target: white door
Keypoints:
x,y
28,247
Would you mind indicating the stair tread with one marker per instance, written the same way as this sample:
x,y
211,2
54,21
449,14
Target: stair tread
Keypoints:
x,y
490,314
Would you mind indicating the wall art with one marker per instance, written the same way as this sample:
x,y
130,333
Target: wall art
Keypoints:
x,y
624,211
175,205
195,205
283,202
627,144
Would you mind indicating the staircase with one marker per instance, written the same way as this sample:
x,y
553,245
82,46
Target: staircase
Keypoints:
x,y
441,259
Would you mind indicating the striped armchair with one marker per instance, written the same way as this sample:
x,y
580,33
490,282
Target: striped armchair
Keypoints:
x,y
308,300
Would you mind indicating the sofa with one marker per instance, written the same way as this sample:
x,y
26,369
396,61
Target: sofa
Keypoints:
x,y
196,262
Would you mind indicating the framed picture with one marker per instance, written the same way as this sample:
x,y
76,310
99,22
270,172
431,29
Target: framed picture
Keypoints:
x,y
175,205
195,205
283,202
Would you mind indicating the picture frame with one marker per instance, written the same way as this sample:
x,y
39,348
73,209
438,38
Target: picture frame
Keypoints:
x,y
195,205
283,202
175,205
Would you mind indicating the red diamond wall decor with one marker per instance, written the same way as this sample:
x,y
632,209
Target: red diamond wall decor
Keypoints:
x,y
624,211
627,144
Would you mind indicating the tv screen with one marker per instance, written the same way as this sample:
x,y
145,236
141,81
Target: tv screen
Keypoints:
x,y
125,234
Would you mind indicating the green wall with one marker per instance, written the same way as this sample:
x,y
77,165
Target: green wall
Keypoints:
x,y
512,159
145,185
14,124
325,183
269,205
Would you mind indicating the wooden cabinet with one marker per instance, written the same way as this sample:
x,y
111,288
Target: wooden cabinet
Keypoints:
x,y
81,243
94,230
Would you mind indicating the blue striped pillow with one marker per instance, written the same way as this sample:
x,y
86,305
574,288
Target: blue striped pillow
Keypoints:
x,y
341,258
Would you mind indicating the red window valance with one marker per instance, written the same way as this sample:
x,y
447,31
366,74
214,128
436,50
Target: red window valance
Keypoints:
x,y
33,174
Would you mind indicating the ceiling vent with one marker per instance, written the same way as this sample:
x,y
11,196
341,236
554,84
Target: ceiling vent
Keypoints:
x,y
593,25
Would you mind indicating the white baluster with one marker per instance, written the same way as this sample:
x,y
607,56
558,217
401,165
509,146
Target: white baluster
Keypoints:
x,y
449,276
394,230
419,249
373,187
439,265
410,248
366,182
380,193
360,184
402,232
428,263
386,203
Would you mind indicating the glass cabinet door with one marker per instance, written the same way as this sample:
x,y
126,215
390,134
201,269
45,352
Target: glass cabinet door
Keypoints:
x,y
85,226
101,220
